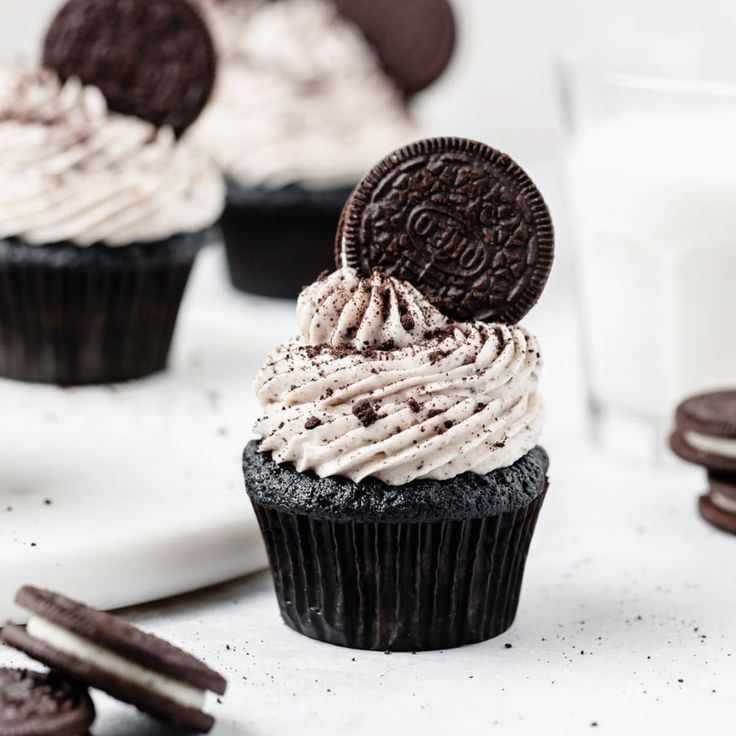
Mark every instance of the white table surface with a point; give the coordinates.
(627, 617)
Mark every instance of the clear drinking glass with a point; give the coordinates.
(651, 180)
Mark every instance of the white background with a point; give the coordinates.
(502, 87)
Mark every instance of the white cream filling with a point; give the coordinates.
(723, 502)
(719, 446)
(76, 646)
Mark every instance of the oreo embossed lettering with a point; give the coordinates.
(450, 244)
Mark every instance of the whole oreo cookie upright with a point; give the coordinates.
(153, 60)
(460, 221)
(36, 704)
(414, 39)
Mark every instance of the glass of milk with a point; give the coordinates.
(651, 180)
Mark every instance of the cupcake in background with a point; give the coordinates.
(398, 478)
(101, 213)
(303, 106)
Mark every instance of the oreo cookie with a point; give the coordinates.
(705, 431)
(414, 39)
(460, 221)
(153, 60)
(107, 653)
(718, 506)
(36, 704)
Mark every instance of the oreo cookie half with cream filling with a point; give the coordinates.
(705, 431)
(105, 652)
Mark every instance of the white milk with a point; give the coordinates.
(653, 203)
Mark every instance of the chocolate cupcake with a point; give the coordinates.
(303, 106)
(101, 214)
(398, 477)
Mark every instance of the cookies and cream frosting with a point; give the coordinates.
(72, 171)
(379, 383)
(300, 98)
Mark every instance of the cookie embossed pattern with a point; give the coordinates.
(459, 218)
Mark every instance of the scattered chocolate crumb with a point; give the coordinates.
(33, 544)
(365, 413)
(312, 423)
(449, 423)
(414, 405)
(507, 645)
(388, 651)
(47, 501)
(407, 322)
(481, 406)
(433, 413)
(594, 724)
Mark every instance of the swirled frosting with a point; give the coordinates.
(72, 171)
(300, 97)
(379, 383)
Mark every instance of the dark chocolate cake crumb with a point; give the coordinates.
(312, 423)
(414, 405)
(432, 413)
(449, 424)
(507, 645)
(465, 496)
(365, 412)
(407, 322)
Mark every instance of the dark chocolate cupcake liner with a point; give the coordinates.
(398, 586)
(278, 241)
(74, 316)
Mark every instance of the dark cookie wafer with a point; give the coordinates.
(459, 220)
(723, 484)
(36, 704)
(720, 518)
(121, 639)
(154, 60)
(711, 414)
(414, 39)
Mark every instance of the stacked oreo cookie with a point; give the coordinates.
(705, 434)
(85, 647)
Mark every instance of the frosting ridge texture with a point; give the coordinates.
(380, 384)
(72, 171)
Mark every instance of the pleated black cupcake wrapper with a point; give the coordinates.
(72, 321)
(398, 587)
